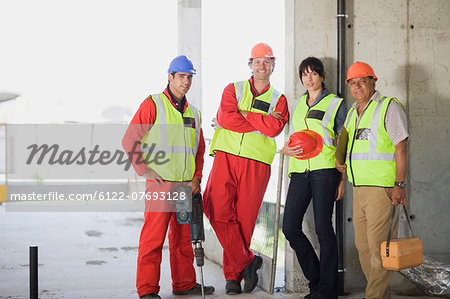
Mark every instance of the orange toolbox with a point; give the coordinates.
(401, 253)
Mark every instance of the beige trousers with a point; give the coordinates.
(372, 214)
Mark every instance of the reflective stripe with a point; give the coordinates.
(373, 139)
(291, 126)
(349, 116)
(273, 100)
(239, 91)
(372, 156)
(162, 119)
(327, 140)
(168, 149)
(258, 132)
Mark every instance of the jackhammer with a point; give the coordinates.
(194, 216)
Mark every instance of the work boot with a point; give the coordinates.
(315, 295)
(250, 275)
(196, 290)
(151, 296)
(233, 287)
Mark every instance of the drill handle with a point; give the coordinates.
(197, 229)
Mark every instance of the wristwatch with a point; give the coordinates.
(400, 184)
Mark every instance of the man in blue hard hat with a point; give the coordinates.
(161, 120)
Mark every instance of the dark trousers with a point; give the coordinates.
(320, 186)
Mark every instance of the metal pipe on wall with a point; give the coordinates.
(341, 16)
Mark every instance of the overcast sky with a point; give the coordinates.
(91, 61)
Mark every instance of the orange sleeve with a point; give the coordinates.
(228, 115)
(199, 158)
(267, 124)
(139, 126)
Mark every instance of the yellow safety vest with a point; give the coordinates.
(175, 136)
(319, 118)
(370, 152)
(252, 145)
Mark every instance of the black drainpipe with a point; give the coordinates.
(341, 16)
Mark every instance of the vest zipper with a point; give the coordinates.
(240, 144)
(185, 153)
(354, 136)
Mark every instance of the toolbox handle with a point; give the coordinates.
(390, 230)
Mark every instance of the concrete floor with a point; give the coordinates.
(89, 255)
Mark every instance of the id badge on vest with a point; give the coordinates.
(363, 134)
(189, 122)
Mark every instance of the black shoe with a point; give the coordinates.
(233, 287)
(197, 290)
(250, 275)
(150, 296)
(314, 296)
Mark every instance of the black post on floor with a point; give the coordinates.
(33, 272)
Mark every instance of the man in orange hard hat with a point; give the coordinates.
(376, 166)
(243, 147)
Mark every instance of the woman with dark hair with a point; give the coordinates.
(314, 177)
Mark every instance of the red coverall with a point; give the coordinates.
(155, 226)
(236, 185)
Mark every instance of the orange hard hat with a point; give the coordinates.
(262, 50)
(309, 141)
(360, 70)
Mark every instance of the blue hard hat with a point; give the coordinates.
(181, 64)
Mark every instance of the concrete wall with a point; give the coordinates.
(407, 44)
(310, 31)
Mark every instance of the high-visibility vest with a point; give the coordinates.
(252, 145)
(319, 118)
(176, 136)
(370, 151)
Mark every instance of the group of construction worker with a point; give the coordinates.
(250, 115)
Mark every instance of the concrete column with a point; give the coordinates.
(310, 32)
(189, 43)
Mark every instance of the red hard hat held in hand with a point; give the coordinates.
(309, 141)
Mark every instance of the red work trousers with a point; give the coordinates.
(232, 199)
(151, 243)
